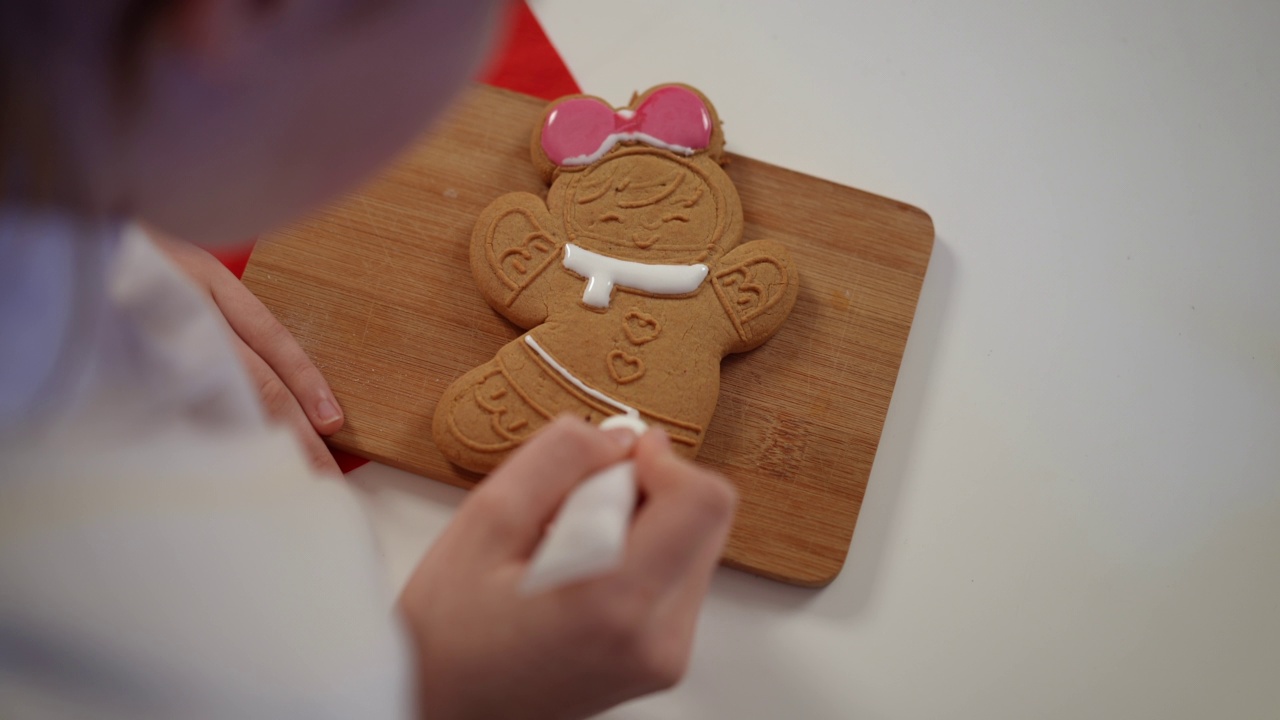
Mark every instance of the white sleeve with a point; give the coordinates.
(195, 575)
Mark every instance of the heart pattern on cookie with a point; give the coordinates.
(641, 327)
(624, 368)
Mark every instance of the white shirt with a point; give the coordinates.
(164, 550)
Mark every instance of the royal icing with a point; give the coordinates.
(580, 131)
(603, 273)
(630, 422)
(564, 373)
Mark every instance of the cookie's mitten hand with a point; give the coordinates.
(512, 245)
(757, 285)
(485, 650)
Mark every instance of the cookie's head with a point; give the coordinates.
(641, 183)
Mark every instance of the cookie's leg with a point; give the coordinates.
(483, 416)
(489, 411)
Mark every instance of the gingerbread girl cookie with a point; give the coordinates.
(630, 278)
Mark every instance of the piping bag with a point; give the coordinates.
(588, 536)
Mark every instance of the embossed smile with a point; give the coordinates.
(644, 242)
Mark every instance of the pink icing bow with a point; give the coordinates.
(582, 130)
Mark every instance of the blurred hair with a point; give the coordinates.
(29, 153)
(32, 159)
(132, 30)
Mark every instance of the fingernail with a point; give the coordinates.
(624, 437)
(327, 411)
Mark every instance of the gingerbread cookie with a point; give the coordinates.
(630, 279)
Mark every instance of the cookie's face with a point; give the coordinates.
(646, 205)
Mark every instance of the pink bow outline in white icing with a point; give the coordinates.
(580, 131)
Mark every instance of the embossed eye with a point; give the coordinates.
(609, 217)
(690, 201)
(675, 218)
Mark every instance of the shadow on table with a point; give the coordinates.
(853, 589)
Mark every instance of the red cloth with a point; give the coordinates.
(526, 62)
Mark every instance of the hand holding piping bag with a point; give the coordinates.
(588, 536)
(576, 649)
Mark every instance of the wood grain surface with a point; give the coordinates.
(378, 290)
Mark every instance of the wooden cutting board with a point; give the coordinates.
(378, 290)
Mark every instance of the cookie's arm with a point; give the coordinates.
(512, 246)
(756, 285)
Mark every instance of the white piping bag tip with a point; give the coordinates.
(630, 422)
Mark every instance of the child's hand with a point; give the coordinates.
(292, 389)
(486, 651)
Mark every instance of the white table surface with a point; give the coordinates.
(1075, 508)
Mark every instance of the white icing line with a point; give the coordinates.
(630, 422)
(615, 138)
(603, 272)
(626, 409)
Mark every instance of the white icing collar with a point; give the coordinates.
(603, 273)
